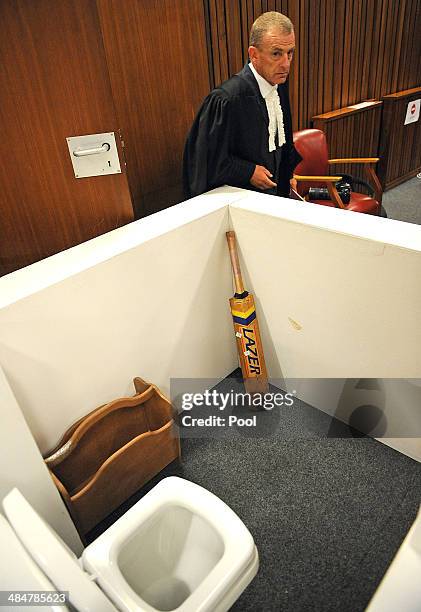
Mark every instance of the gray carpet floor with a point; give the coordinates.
(404, 201)
(327, 507)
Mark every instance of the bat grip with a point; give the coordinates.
(235, 263)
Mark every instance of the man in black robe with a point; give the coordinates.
(242, 134)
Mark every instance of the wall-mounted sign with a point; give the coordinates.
(412, 112)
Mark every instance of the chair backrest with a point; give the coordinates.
(312, 146)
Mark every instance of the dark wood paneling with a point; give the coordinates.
(54, 84)
(157, 58)
(347, 50)
(352, 132)
(400, 148)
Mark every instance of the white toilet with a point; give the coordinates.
(179, 548)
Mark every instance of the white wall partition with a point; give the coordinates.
(339, 297)
(149, 300)
(340, 292)
(22, 467)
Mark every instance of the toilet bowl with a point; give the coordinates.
(179, 548)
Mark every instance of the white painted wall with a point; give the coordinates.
(355, 295)
(338, 297)
(148, 299)
(23, 467)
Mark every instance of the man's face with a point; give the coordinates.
(272, 59)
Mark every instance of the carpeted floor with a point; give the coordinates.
(327, 508)
(404, 201)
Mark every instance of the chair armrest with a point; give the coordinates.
(330, 184)
(317, 179)
(378, 190)
(354, 160)
(369, 170)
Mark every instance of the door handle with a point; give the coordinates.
(81, 152)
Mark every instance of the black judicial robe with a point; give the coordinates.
(229, 137)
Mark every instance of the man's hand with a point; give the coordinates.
(261, 178)
(293, 183)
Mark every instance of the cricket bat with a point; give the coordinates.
(246, 329)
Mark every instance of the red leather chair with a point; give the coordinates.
(314, 171)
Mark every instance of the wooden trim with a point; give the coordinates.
(402, 179)
(334, 195)
(317, 179)
(372, 176)
(354, 160)
(403, 94)
(348, 110)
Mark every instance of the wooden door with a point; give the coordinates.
(157, 57)
(54, 83)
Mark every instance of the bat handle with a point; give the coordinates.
(235, 263)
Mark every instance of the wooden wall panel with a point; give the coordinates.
(54, 84)
(348, 51)
(352, 132)
(158, 64)
(400, 148)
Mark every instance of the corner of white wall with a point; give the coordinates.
(23, 467)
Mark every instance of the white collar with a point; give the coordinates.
(265, 87)
(276, 120)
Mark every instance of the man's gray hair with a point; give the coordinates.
(266, 22)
